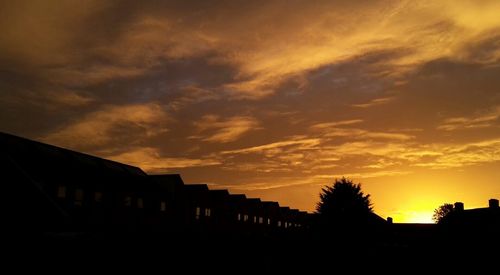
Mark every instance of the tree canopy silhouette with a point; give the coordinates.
(343, 202)
(441, 212)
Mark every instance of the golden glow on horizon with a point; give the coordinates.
(415, 217)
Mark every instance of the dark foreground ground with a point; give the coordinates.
(156, 253)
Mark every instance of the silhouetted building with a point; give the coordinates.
(486, 219)
(272, 213)
(459, 206)
(493, 203)
(53, 189)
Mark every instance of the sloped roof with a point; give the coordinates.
(48, 163)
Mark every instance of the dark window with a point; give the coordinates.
(78, 197)
(61, 191)
(127, 201)
(98, 196)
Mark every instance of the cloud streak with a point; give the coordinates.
(479, 121)
(225, 130)
(152, 161)
(374, 102)
(104, 127)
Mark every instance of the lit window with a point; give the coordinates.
(127, 201)
(286, 224)
(208, 212)
(98, 196)
(78, 197)
(61, 192)
(254, 219)
(239, 217)
(279, 223)
(245, 218)
(268, 221)
(140, 203)
(261, 220)
(197, 213)
(163, 206)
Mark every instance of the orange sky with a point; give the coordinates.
(273, 99)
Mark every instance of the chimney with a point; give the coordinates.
(459, 206)
(389, 219)
(493, 203)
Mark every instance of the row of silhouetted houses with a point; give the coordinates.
(51, 189)
(55, 189)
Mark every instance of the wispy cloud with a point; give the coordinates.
(152, 161)
(374, 102)
(365, 134)
(265, 56)
(474, 153)
(386, 25)
(332, 129)
(106, 126)
(484, 120)
(325, 125)
(276, 147)
(190, 95)
(225, 130)
(363, 175)
(50, 99)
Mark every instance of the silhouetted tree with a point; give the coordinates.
(344, 202)
(441, 212)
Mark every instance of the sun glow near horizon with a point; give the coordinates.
(414, 217)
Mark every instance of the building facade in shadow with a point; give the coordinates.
(51, 189)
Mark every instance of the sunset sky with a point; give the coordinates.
(274, 99)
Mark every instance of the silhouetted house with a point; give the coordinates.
(284, 218)
(485, 220)
(376, 220)
(254, 210)
(304, 219)
(52, 189)
(300, 219)
(293, 218)
(170, 200)
(271, 214)
(197, 204)
(55, 189)
(221, 215)
(237, 210)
